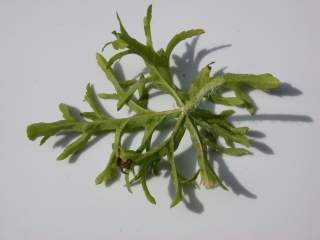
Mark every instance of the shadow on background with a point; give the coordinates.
(272, 117)
(187, 66)
(185, 69)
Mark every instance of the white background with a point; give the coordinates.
(47, 56)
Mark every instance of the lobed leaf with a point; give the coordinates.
(108, 95)
(201, 86)
(66, 112)
(146, 191)
(143, 94)
(147, 28)
(174, 174)
(247, 101)
(191, 180)
(128, 184)
(262, 81)
(187, 116)
(150, 127)
(181, 37)
(102, 62)
(229, 151)
(91, 99)
(90, 115)
(119, 44)
(110, 170)
(75, 146)
(117, 138)
(208, 177)
(47, 129)
(124, 98)
(227, 101)
(142, 50)
(118, 56)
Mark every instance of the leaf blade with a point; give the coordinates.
(110, 171)
(146, 191)
(208, 177)
(147, 28)
(174, 175)
(66, 112)
(201, 86)
(257, 81)
(75, 146)
(91, 99)
(103, 64)
(180, 37)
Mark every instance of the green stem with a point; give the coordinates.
(169, 89)
(134, 122)
(162, 149)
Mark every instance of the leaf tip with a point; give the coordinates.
(201, 31)
(174, 203)
(32, 132)
(98, 180)
(61, 157)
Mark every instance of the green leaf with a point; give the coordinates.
(180, 37)
(221, 128)
(118, 56)
(201, 79)
(143, 94)
(108, 95)
(142, 50)
(142, 169)
(118, 135)
(102, 62)
(248, 103)
(207, 115)
(240, 130)
(229, 135)
(119, 44)
(226, 113)
(44, 139)
(75, 146)
(105, 45)
(162, 149)
(235, 151)
(91, 99)
(191, 180)
(124, 98)
(110, 170)
(262, 81)
(126, 154)
(128, 184)
(206, 127)
(127, 83)
(225, 124)
(42, 129)
(155, 166)
(146, 23)
(208, 177)
(174, 174)
(229, 151)
(150, 127)
(201, 86)
(227, 101)
(66, 112)
(90, 115)
(104, 65)
(146, 191)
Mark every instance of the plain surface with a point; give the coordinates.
(47, 56)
